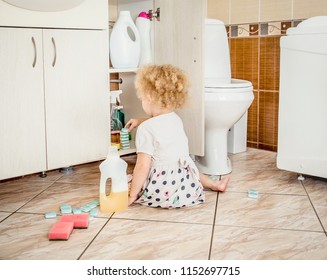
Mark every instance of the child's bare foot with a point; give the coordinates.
(220, 185)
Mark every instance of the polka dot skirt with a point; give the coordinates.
(173, 186)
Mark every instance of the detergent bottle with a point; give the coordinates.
(124, 42)
(113, 168)
(143, 25)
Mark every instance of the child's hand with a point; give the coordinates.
(132, 123)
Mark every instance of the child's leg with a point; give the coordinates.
(214, 185)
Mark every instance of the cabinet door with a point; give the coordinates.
(22, 127)
(179, 41)
(76, 96)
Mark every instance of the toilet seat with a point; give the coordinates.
(236, 90)
(234, 83)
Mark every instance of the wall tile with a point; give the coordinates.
(275, 10)
(268, 120)
(254, 29)
(244, 59)
(304, 9)
(244, 11)
(269, 63)
(284, 26)
(274, 28)
(243, 30)
(218, 9)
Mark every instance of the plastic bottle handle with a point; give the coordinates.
(103, 181)
(135, 31)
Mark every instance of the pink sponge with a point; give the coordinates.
(61, 230)
(80, 220)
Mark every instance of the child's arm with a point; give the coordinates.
(132, 123)
(140, 174)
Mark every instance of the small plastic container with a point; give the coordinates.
(113, 168)
(124, 139)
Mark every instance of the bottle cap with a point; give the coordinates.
(143, 14)
(113, 151)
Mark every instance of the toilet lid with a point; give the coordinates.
(235, 83)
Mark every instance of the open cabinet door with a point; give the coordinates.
(178, 40)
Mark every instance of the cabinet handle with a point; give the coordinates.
(35, 53)
(55, 52)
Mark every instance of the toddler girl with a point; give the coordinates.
(164, 174)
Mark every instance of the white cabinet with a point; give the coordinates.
(54, 103)
(76, 96)
(178, 40)
(22, 122)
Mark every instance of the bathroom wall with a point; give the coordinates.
(254, 28)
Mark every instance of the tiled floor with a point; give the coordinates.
(287, 221)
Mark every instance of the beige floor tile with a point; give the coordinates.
(202, 214)
(76, 195)
(25, 237)
(90, 173)
(268, 211)
(51, 176)
(269, 181)
(253, 159)
(315, 186)
(4, 215)
(239, 243)
(83, 178)
(140, 240)
(317, 190)
(92, 167)
(15, 194)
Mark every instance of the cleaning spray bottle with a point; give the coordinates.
(116, 115)
(113, 168)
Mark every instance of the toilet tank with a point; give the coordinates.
(217, 58)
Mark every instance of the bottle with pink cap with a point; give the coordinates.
(143, 24)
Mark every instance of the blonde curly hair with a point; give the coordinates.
(166, 85)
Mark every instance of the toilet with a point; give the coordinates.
(226, 100)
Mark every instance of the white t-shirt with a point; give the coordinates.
(163, 138)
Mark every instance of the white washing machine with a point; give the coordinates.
(302, 126)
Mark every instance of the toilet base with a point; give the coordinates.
(221, 169)
(215, 160)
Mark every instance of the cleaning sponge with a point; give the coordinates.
(61, 230)
(79, 221)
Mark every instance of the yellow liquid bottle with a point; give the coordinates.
(115, 169)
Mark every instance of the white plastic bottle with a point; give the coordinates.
(115, 169)
(124, 45)
(143, 25)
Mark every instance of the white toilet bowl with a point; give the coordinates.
(226, 100)
(224, 106)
